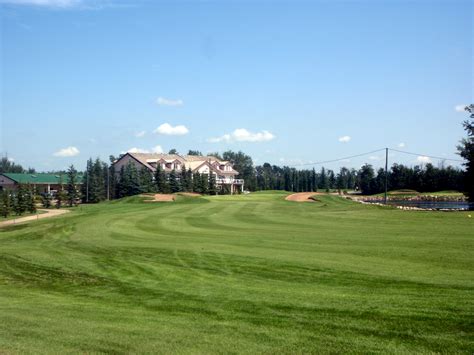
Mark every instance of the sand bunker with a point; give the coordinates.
(301, 197)
(160, 198)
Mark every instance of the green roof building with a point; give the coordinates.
(41, 181)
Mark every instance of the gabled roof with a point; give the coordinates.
(40, 178)
(144, 157)
(192, 162)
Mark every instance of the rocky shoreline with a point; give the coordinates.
(378, 201)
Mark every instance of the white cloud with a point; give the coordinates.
(401, 145)
(169, 102)
(460, 108)
(169, 130)
(140, 134)
(137, 150)
(243, 135)
(157, 149)
(344, 139)
(45, 3)
(11, 160)
(67, 152)
(423, 159)
(374, 157)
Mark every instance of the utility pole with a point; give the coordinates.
(386, 175)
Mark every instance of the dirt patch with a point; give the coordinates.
(302, 197)
(160, 198)
(45, 214)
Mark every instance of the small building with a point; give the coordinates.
(222, 170)
(41, 182)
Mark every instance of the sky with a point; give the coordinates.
(287, 82)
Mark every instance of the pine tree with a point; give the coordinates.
(183, 179)
(331, 179)
(173, 182)
(314, 180)
(60, 197)
(30, 200)
(204, 183)
(160, 180)
(46, 200)
(212, 190)
(132, 181)
(71, 187)
(85, 187)
(197, 182)
(189, 181)
(21, 200)
(323, 180)
(119, 185)
(466, 150)
(146, 180)
(5, 206)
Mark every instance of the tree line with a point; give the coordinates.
(101, 182)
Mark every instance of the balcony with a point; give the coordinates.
(230, 181)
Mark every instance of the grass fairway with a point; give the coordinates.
(238, 274)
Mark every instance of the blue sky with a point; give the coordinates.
(286, 82)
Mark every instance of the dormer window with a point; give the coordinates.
(222, 167)
(168, 165)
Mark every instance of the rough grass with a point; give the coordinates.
(238, 274)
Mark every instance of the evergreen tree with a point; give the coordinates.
(146, 180)
(366, 176)
(120, 190)
(98, 182)
(132, 181)
(5, 205)
(85, 187)
(60, 198)
(71, 187)
(160, 180)
(466, 150)
(30, 199)
(183, 179)
(204, 183)
(20, 200)
(212, 189)
(46, 200)
(173, 182)
(314, 180)
(197, 182)
(189, 181)
(194, 152)
(323, 180)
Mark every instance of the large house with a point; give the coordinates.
(222, 170)
(41, 182)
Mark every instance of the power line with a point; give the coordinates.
(371, 152)
(339, 159)
(424, 155)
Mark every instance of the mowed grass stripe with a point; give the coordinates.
(238, 274)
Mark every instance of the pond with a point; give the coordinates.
(434, 205)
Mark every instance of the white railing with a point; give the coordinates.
(230, 181)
